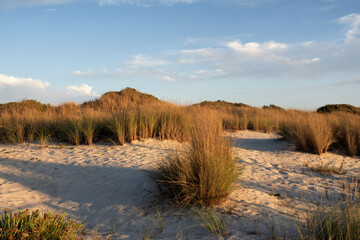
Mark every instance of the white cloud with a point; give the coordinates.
(256, 48)
(237, 60)
(83, 89)
(15, 81)
(17, 88)
(353, 20)
(139, 66)
(141, 60)
(81, 73)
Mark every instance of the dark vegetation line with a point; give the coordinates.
(129, 115)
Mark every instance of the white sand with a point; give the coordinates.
(106, 187)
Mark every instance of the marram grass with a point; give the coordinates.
(205, 172)
(37, 226)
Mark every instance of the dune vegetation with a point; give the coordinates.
(129, 115)
(203, 172)
(37, 225)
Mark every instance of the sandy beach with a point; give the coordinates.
(106, 187)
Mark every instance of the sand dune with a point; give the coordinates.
(106, 187)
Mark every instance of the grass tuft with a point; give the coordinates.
(213, 223)
(73, 131)
(338, 222)
(35, 225)
(89, 127)
(326, 169)
(205, 172)
(43, 137)
(116, 125)
(310, 133)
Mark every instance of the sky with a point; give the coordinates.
(292, 53)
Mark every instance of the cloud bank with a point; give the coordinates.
(353, 20)
(238, 60)
(18, 88)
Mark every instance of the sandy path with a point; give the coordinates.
(107, 189)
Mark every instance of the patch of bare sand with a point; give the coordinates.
(107, 188)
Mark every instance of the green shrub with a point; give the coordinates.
(89, 128)
(38, 226)
(348, 133)
(338, 222)
(73, 131)
(205, 172)
(329, 108)
(116, 124)
(310, 133)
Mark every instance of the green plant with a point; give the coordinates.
(179, 235)
(62, 146)
(89, 128)
(205, 172)
(147, 234)
(116, 125)
(213, 223)
(326, 169)
(72, 130)
(31, 130)
(20, 132)
(348, 128)
(338, 222)
(35, 225)
(159, 220)
(131, 126)
(43, 137)
(310, 133)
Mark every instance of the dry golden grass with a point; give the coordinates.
(339, 222)
(347, 127)
(205, 172)
(129, 115)
(36, 225)
(310, 132)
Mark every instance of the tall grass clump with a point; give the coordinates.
(348, 133)
(173, 123)
(35, 225)
(89, 128)
(73, 131)
(43, 137)
(205, 172)
(30, 130)
(131, 126)
(338, 222)
(147, 119)
(13, 131)
(116, 124)
(310, 133)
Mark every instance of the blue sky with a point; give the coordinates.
(295, 54)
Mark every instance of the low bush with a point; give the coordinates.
(37, 226)
(338, 222)
(310, 133)
(205, 172)
(347, 127)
